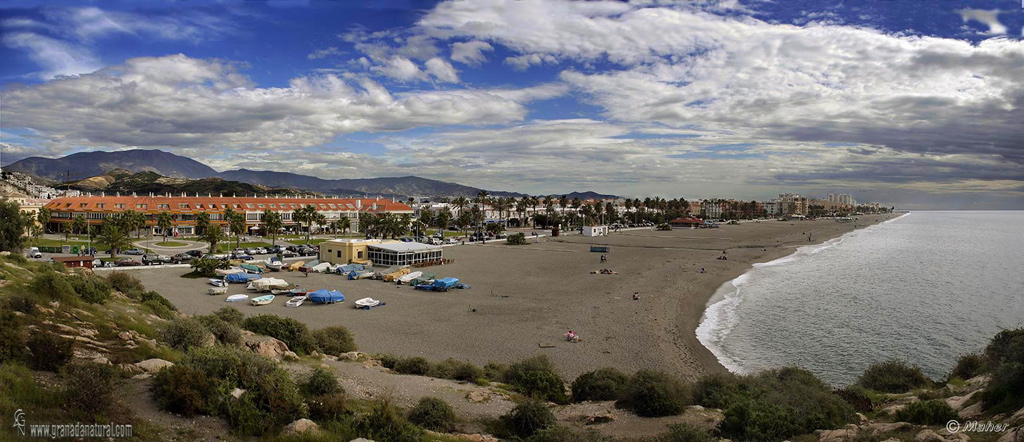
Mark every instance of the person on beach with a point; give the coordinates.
(636, 296)
(702, 270)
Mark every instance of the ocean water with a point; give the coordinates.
(924, 288)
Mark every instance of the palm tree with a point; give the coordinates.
(562, 202)
(43, 216)
(344, 223)
(272, 224)
(318, 219)
(236, 224)
(460, 203)
(533, 202)
(442, 220)
(213, 236)
(202, 222)
(134, 221)
(481, 197)
(78, 225)
(463, 221)
(114, 235)
(165, 222)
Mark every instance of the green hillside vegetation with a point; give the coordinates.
(143, 183)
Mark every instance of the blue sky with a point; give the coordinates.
(914, 103)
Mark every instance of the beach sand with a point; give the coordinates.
(523, 297)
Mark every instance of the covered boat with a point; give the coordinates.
(360, 275)
(241, 277)
(324, 296)
(217, 291)
(225, 272)
(322, 267)
(392, 277)
(444, 284)
(425, 278)
(273, 263)
(295, 302)
(308, 267)
(268, 284)
(367, 303)
(251, 268)
(218, 282)
(295, 266)
(349, 268)
(404, 279)
(237, 298)
(263, 300)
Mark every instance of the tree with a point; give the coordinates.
(133, 221)
(12, 226)
(237, 225)
(460, 203)
(78, 225)
(114, 235)
(318, 219)
(344, 223)
(43, 217)
(213, 235)
(304, 215)
(463, 221)
(202, 223)
(65, 229)
(273, 222)
(165, 222)
(442, 220)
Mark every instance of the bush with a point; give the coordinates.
(495, 371)
(720, 390)
(758, 420)
(53, 285)
(89, 388)
(92, 289)
(933, 412)
(22, 304)
(10, 336)
(290, 331)
(50, 352)
(230, 315)
(269, 405)
(208, 267)
(125, 283)
(684, 432)
(388, 361)
(385, 422)
(654, 394)
(892, 377)
(606, 384)
(968, 366)
(559, 433)
(537, 378)
(329, 408)
(516, 239)
(321, 383)
(183, 389)
(527, 418)
(457, 370)
(415, 365)
(152, 296)
(184, 334)
(17, 258)
(1004, 356)
(857, 397)
(335, 340)
(433, 414)
(226, 333)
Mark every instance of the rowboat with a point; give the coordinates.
(295, 266)
(295, 302)
(237, 298)
(360, 275)
(263, 300)
(273, 264)
(251, 268)
(268, 284)
(404, 279)
(367, 303)
(218, 282)
(217, 290)
(225, 272)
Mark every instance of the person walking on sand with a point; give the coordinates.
(636, 296)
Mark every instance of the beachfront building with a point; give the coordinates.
(590, 231)
(349, 251)
(686, 222)
(791, 204)
(184, 209)
(403, 253)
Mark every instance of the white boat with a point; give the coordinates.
(226, 272)
(367, 303)
(295, 302)
(268, 284)
(218, 282)
(322, 267)
(263, 300)
(217, 291)
(237, 298)
(404, 279)
(273, 264)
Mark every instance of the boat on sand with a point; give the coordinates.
(263, 300)
(295, 302)
(237, 298)
(367, 303)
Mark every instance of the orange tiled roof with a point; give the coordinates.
(216, 204)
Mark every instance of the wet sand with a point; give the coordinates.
(525, 296)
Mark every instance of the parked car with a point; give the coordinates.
(181, 258)
(287, 253)
(242, 256)
(34, 253)
(153, 258)
(451, 241)
(221, 256)
(195, 253)
(133, 252)
(127, 262)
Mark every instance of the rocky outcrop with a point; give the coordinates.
(300, 426)
(264, 345)
(842, 435)
(153, 365)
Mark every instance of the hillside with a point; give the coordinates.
(88, 164)
(124, 182)
(402, 186)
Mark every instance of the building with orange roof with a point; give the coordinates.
(183, 209)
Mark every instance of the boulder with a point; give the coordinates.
(361, 440)
(237, 393)
(153, 365)
(970, 412)
(350, 356)
(1013, 435)
(1017, 418)
(300, 426)
(600, 417)
(265, 346)
(952, 437)
(885, 427)
(958, 402)
(928, 436)
(861, 418)
(290, 356)
(478, 396)
(836, 435)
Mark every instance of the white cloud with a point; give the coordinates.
(55, 57)
(989, 18)
(441, 70)
(323, 53)
(470, 52)
(402, 69)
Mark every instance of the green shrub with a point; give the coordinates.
(433, 414)
(653, 394)
(933, 412)
(335, 340)
(892, 377)
(495, 371)
(720, 390)
(184, 334)
(857, 397)
(89, 388)
(527, 418)
(183, 389)
(159, 310)
(329, 408)
(457, 370)
(537, 378)
(1005, 346)
(1004, 356)
(968, 366)
(208, 267)
(52, 285)
(226, 333)
(388, 361)
(684, 432)
(230, 315)
(11, 347)
(18, 258)
(292, 332)
(49, 352)
(125, 283)
(606, 384)
(270, 404)
(758, 420)
(22, 304)
(321, 383)
(415, 365)
(385, 422)
(516, 239)
(93, 290)
(152, 296)
(558, 433)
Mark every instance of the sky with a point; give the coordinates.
(917, 104)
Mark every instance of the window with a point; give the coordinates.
(333, 206)
(140, 206)
(119, 205)
(273, 206)
(183, 205)
(339, 253)
(199, 205)
(100, 205)
(294, 206)
(82, 205)
(260, 206)
(360, 254)
(249, 205)
(163, 206)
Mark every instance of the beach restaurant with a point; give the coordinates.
(403, 253)
(686, 222)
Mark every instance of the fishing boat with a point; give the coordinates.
(217, 291)
(322, 267)
(324, 296)
(295, 302)
(367, 303)
(251, 268)
(226, 272)
(217, 282)
(360, 275)
(345, 269)
(295, 266)
(392, 277)
(263, 300)
(237, 298)
(241, 277)
(268, 284)
(404, 279)
(273, 264)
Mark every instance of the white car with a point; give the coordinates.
(451, 241)
(34, 253)
(259, 251)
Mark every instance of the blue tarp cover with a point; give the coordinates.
(241, 277)
(445, 282)
(324, 296)
(350, 268)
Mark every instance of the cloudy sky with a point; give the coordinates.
(914, 103)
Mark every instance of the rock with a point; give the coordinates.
(970, 412)
(952, 437)
(1017, 417)
(315, 354)
(142, 376)
(957, 402)
(300, 426)
(360, 440)
(329, 357)
(101, 360)
(265, 345)
(124, 336)
(237, 393)
(600, 417)
(153, 365)
(696, 408)
(836, 435)
(350, 356)
(928, 436)
(862, 418)
(885, 427)
(891, 410)
(55, 304)
(478, 396)
(891, 439)
(1013, 435)
(289, 356)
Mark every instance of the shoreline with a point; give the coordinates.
(719, 294)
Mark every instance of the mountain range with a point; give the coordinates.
(82, 165)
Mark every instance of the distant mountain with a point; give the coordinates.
(590, 195)
(144, 183)
(88, 164)
(404, 186)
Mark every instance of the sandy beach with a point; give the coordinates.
(526, 296)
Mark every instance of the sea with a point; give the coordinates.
(923, 288)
